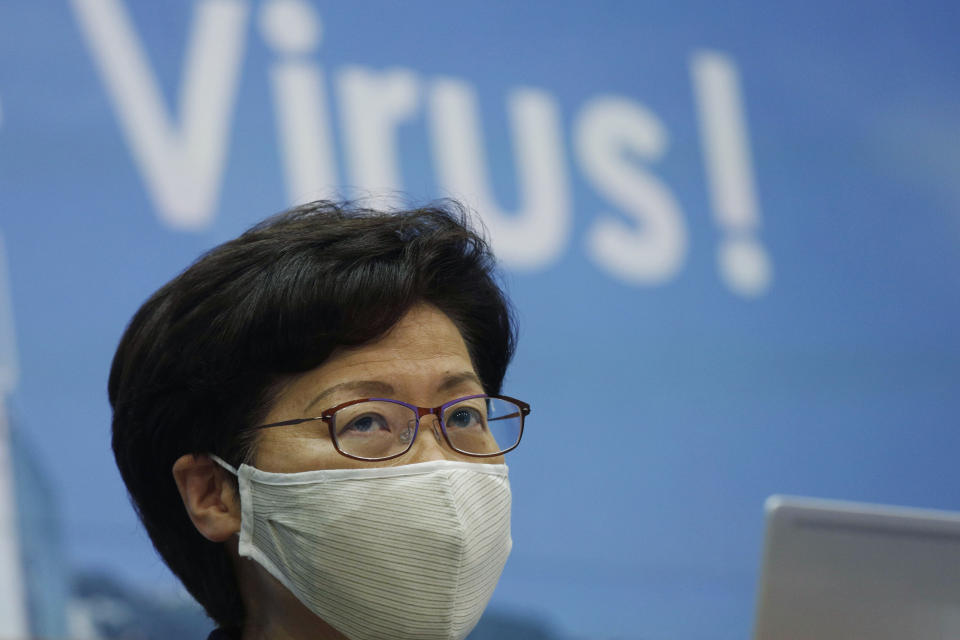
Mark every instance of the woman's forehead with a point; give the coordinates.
(421, 335)
(424, 352)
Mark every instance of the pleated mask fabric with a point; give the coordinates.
(408, 552)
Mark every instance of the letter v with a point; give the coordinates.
(181, 162)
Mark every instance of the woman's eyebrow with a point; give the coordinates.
(384, 389)
(458, 380)
(360, 387)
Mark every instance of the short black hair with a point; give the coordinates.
(205, 355)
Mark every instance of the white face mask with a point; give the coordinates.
(413, 551)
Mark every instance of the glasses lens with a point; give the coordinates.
(374, 429)
(483, 425)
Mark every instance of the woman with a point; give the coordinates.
(309, 423)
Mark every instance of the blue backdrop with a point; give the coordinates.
(731, 231)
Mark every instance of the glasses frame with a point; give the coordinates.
(327, 417)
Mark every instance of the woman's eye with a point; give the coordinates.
(364, 424)
(463, 418)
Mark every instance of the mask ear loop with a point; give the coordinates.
(244, 501)
(223, 463)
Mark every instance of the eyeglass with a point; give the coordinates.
(373, 429)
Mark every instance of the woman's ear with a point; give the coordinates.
(208, 493)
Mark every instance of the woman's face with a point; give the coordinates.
(422, 360)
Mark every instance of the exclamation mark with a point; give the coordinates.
(742, 260)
